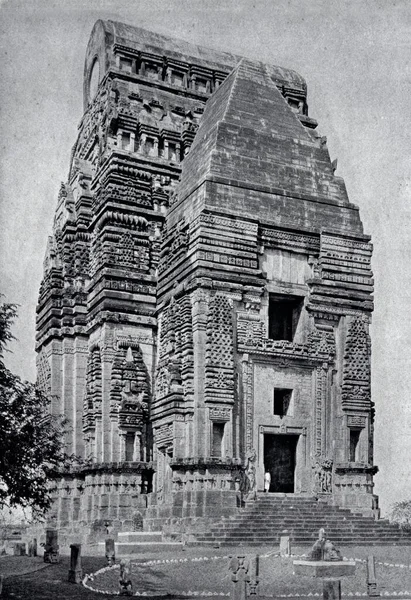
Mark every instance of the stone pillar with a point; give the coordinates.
(132, 142)
(107, 356)
(67, 392)
(75, 572)
(371, 578)
(239, 567)
(56, 384)
(122, 446)
(285, 545)
(51, 548)
(200, 424)
(119, 138)
(255, 575)
(110, 552)
(33, 547)
(142, 143)
(79, 383)
(137, 446)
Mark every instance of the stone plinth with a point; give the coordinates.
(324, 568)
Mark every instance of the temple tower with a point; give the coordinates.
(206, 298)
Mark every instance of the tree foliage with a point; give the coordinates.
(30, 439)
(401, 514)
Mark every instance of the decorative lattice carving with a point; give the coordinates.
(44, 374)
(219, 363)
(356, 387)
(175, 367)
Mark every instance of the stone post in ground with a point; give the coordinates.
(51, 548)
(110, 552)
(126, 587)
(371, 578)
(20, 549)
(285, 544)
(240, 577)
(32, 547)
(255, 575)
(75, 572)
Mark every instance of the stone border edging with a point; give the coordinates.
(149, 563)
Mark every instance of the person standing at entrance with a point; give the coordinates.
(267, 481)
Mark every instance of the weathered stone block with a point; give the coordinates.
(332, 589)
(324, 569)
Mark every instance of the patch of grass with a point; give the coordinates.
(276, 575)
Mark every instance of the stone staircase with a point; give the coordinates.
(263, 521)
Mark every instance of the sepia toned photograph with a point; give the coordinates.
(205, 286)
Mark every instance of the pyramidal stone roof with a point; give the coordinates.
(250, 137)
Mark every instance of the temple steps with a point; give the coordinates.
(263, 522)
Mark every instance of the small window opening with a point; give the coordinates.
(296, 105)
(217, 439)
(125, 140)
(177, 78)
(126, 64)
(282, 402)
(149, 146)
(283, 316)
(355, 445)
(172, 152)
(130, 446)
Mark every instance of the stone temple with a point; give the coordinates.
(207, 293)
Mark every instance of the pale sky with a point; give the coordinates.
(356, 58)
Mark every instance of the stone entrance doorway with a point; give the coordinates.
(280, 461)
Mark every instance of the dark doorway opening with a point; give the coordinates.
(279, 460)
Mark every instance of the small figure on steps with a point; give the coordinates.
(267, 481)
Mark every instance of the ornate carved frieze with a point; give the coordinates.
(174, 246)
(220, 413)
(251, 330)
(282, 349)
(356, 421)
(322, 479)
(92, 397)
(175, 365)
(320, 404)
(291, 241)
(130, 389)
(163, 436)
(247, 373)
(225, 223)
(343, 275)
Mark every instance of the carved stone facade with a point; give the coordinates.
(207, 293)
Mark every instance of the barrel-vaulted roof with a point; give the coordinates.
(106, 34)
